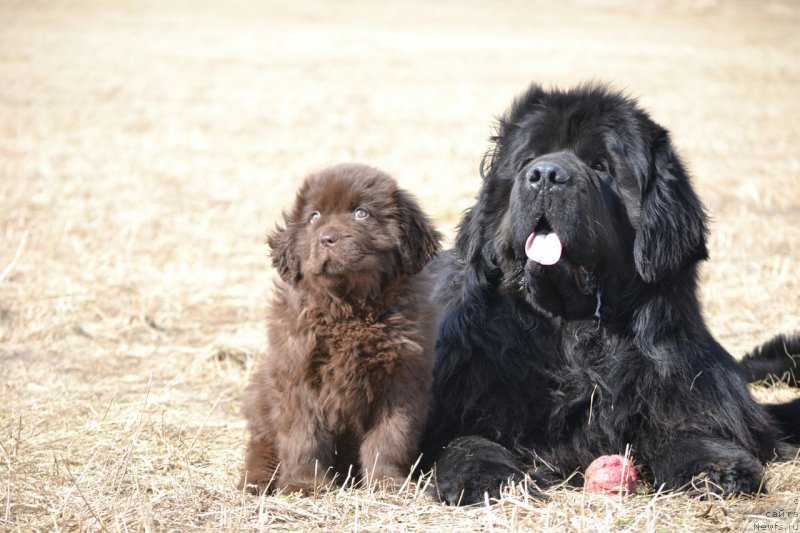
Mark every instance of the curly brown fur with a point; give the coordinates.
(344, 387)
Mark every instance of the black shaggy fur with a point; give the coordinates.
(604, 349)
(778, 358)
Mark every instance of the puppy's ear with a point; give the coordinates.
(420, 240)
(283, 253)
(673, 223)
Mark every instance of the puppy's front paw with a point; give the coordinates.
(305, 489)
(256, 488)
(306, 486)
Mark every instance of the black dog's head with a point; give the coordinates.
(350, 231)
(582, 191)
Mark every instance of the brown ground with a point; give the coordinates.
(145, 150)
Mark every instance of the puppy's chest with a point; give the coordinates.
(351, 362)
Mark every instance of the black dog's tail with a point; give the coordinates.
(779, 357)
(787, 417)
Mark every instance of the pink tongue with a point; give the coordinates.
(543, 248)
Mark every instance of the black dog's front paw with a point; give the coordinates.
(706, 466)
(470, 468)
(728, 481)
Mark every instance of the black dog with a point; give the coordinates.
(571, 324)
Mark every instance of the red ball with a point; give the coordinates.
(611, 474)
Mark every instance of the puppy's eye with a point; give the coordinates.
(360, 213)
(314, 217)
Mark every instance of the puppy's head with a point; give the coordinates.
(352, 227)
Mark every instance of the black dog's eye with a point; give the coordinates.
(603, 169)
(314, 217)
(360, 213)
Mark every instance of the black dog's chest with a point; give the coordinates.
(578, 391)
(582, 378)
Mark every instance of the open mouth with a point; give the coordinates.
(543, 246)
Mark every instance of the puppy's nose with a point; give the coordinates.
(328, 239)
(547, 174)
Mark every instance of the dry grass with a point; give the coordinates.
(145, 149)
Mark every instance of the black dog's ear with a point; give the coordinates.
(477, 226)
(282, 252)
(673, 223)
(420, 240)
(472, 239)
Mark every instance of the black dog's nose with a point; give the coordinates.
(547, 173)
(328, 239)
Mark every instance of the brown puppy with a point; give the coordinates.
(346, 379)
